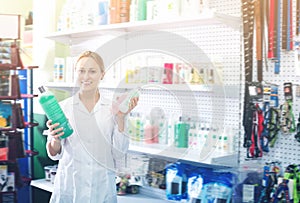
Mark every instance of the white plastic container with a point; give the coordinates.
(47, 172)
(53, 174)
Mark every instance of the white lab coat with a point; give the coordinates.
(85, 171)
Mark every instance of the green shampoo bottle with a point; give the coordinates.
(53, 111)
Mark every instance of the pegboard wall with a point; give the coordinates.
(218, 42)
(286, 148)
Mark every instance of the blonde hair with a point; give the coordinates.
(97, 58)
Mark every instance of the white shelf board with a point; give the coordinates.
(178, 87)
(192, 155)
(157, 86)
(225, 90)
(209, 18)
(143, 196)
(42, 184)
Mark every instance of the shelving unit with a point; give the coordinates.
(191, 28)
(19, 133)
(230, 111)
(74, 37)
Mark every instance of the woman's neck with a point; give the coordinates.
(89, 98)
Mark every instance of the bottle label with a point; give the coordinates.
(53, 110)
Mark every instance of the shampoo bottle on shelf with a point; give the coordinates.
(203, 137)
(181, 134)
(171, 129)
(162, 130)
(53, 111)
(148, 132)
(228, 140)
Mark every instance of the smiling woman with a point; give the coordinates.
(87, 156)
(89, 71)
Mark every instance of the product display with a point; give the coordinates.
(221, 78)
(15, 121)
(100, 12)
(179, 133)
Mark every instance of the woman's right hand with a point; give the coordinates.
(53, 130)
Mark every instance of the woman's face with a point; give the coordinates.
(88, 74)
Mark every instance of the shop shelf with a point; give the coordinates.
(8, 66)
(24, 96)
(26, 125)
(151, 86)
(42, 184)
(31, 152)
(210, 158)
(7, 129)
(9, 97)
(208, 18)
(31, 125)
(146, 195)
(158, 86)
(225, 90)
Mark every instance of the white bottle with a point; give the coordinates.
(190, 8)
(228, 140)
(124, 105)
(137, 128)
(201, 137)
(162, 131)
(214, 139)
(131, 127)
(196, 136)
(182, 76)
(192, 134)
(219, 145)
(133, 11)
(207, 139)
(142, 126)
(171, 128)
(150, 8)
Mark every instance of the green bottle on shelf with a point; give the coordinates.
(53, 111)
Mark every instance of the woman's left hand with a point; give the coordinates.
(132, 104)
(120, 115)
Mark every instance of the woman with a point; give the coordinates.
(86, 158)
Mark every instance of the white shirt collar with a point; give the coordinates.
(102, 101)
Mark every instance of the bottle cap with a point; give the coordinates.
(41, 89)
